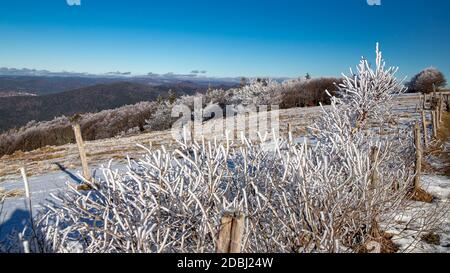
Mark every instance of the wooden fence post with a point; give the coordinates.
(425, 100)
(374, 180)
(223, 243)
(237, 231)
(438, 113)
(26, 185)
(433, 120)
(425, 129)
(418, 165)
(421, 101)
(289, 133)
(446, 102)
(437, 106)
(230, 233)
(192, 128)
(82, 151)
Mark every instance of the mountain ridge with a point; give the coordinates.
(16, 111)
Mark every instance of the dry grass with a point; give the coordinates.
(444, 135)
(405, 115)
(436, 149)
(8, 194)
(432, 238)
(116, 152)
(51, 149)
(44, 153)
(43, 157)
(428, 168)
(420, 195)
(385, 241)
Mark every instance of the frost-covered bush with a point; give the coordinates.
(302, 92)
(308, 92)
(156, 115)
(219, 96)
(258, 92)
(162, 118)
(109, 123)
(104, 124)
(35, 135)
(329, 194)
(255, 92)
(427, 80)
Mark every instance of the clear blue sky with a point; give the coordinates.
(225, 38)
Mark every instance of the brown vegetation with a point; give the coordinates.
(432, 238)
(427, 81)
(420, 195)
(105, 124)
(309, 93)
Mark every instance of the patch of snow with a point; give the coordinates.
(438, 186)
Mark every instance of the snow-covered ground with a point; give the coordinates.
(409, 233)
(48, 178)
(409, 230)
(15, 213)
(42, 161)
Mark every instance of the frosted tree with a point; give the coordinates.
(347, 135)
(427, 80)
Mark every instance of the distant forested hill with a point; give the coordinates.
(17, 111)
(44, 85)
(47, 85)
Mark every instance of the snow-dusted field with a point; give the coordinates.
(51, 168)
(408, 229)
(43, 161)
(14, 214)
